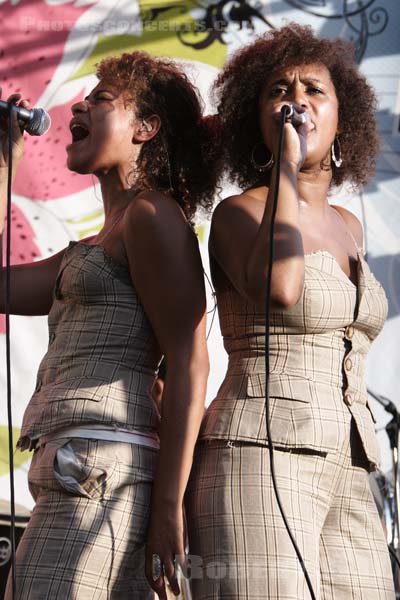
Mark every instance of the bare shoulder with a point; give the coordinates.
(352, 223)
(155, 226)
(154, 209)
(154, 219)
(234, 226)
(236, 206)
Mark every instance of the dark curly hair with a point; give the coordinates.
(177, 160)
(239, 86)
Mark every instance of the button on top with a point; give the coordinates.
(348, 364)
(348, 399)
(349, 332)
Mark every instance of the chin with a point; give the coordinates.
(79, 167)
(314, 167)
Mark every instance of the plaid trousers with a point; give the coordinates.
(239, 547)
(86, 537)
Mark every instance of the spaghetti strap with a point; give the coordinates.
(359, 249)
(105, 236)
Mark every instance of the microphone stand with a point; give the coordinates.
(392, 429)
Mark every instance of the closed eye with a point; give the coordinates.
(103, 97)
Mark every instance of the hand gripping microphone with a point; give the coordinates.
(294, 116)
(35, 121)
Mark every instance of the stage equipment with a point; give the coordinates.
(35, 121)
(295, 117)
(391, 491)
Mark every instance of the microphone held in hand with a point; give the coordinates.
(35, 121)
(292, 115)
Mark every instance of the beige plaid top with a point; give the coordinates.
(317, 361)
(102, 354)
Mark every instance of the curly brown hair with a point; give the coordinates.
(176, 160)
(239, 86)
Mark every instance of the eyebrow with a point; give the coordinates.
(96, 91)
(91, 93)
(285, 81)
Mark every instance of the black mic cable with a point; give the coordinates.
(8, 352)
(285, 113)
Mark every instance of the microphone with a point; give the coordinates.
(294, 116)
(387, 404)
(35, 121)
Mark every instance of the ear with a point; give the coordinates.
(146, 129)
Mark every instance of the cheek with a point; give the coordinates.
(111, 147)
(266, 125)
(123, 133)
(331, 117)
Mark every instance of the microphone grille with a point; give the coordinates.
(39, 123)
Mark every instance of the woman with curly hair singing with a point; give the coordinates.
(117, 302)
(326, 308)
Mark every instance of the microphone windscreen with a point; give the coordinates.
(39, 123)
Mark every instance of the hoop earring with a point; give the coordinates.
(336, 158)
(261, 166)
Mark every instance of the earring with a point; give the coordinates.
(336, 157)
(258, 161)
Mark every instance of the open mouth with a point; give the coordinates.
(79, 132)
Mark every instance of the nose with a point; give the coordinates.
(299, 97)
(79, 107)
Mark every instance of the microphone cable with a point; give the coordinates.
(284, 113)
(8, 352)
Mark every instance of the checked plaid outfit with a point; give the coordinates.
(323, 433)
(86, 537)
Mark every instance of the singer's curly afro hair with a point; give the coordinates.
(238, 89)
(178, 159)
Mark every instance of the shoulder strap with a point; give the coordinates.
(105, 236)
(358, 248)
(135, 192)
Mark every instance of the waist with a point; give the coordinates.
(101, 377)
(103, 432)
(321, 365)
(320, 370)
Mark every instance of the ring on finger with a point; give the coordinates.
(156, 567)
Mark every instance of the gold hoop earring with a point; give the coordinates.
(336, 155)
(259, 148)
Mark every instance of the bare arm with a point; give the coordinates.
(31, 284)
(166, 269)
(240, 231)
(239, 242)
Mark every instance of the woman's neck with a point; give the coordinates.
(116, 193)
(313, 189)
